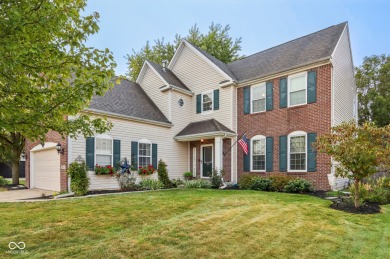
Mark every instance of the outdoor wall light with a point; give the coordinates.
(60, 149)
(23, 156)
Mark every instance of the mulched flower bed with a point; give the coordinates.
(11, 187)
(365, 208)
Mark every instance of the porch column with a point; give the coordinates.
(218, 153)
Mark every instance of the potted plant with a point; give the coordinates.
(104, 170)
(146, 170)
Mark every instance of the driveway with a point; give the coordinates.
(20, 195)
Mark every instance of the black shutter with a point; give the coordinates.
(247, 158)
(269, 154)
(154, 155)
(311, 152)
(247, 99)
(312, 87)
(216, 99)
(283, 153)
(283, 93)
(134, 155)
(90, 153)
(198, 103)
(117, 153)
(270, 96)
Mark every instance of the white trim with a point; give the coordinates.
(296, 134)
(332, 97)
(207, 135)
(201, 158)
(338, 41)
(47, 146)
(145, 141)
(258, 137)
(105, 137)
(265, 97)
(200, 54)
(288, 88)
(194, 162)
(212, 102)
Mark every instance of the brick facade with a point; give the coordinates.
(55, 137)
(315, 117)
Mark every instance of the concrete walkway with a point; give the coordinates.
(19, 195)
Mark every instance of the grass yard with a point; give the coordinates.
(193, 224)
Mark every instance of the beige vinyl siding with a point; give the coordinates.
(151, 84)
(172, 152)
(200, 76)
(344, 88)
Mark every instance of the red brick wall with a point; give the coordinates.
(55, 137)
(227, 159)
(314, 117)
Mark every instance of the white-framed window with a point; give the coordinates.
(297, 151)
(297, 89)
(258, 149)
(144, 152)
(207, 101)
(103, 150)
(258, 99)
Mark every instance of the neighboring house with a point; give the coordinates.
(191, 111)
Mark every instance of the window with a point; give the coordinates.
(207, 101)
(297, 86)
(297, 151)
(258, 98)
(103, 150)
(144, 153)
(258, 153)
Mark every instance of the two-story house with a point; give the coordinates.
(191, 111)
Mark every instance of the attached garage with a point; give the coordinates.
(45, 168)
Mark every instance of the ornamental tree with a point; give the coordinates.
(47, 72)
(359, 150)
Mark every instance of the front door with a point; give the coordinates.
(207, 161)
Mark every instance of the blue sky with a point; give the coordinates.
(128, 24)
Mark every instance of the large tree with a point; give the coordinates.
(373, 83)
(359, 150)
(47, 72)
(217, 42)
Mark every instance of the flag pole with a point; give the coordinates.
(224, 153)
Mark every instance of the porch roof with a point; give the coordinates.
(204, 129)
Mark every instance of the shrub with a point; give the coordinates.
(216, 179)
(3, 182)
(188, 176)
(246, 181)
(261, 184)
(163, 174)
(177, 182)
(279, 181)
(126, 181)
(377, 191)
(298, 185)
(151, 184)
(79, 178)
(198, 183)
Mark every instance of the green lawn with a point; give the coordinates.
(194, 224)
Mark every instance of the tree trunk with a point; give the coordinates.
(15, 172)
(357, 194)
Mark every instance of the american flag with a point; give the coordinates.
(243, 144)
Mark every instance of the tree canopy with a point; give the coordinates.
(217, 42)
(373, 84)
(47, 72)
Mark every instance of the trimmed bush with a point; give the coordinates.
(261, 184)
(246, 181)
(79, 180)
(216, 179)
(163, 174)
(198, 183)
(279, 181)
(298, 185)
(151, 184)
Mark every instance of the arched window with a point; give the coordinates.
(297, 151)
(258, 151)
(144, 152)
(103, 150)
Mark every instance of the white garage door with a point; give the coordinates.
(47, 170)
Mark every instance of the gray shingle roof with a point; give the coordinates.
(128, 99)
(305, 50)
(205, 126)
(169, 76)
